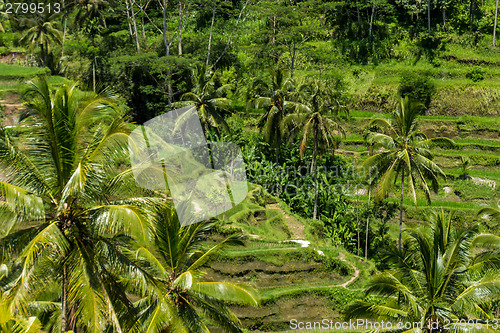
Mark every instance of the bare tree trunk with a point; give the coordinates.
(495, 24)
(233, 33)
(357, 12)
(144, 34)
(180, 28)
(64, 300)
(135, 29)
(372, 17)
(315, 172)
(64, 35)
(210, 37)
(273, 40)
(93, 75)
(128, 19)
(167, 51)
(401, 208)
(367, 221)
(429, 15)
(471, 15)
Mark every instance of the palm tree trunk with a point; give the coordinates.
(471, 15)
(93, 75)
(64, 35)
(210, 37)
(429, 15)
(357, 220)
(180, 28)
(495, 24)
(64, 300)
(401, 208)
(315, 152)
(367, 222)
(357, 12)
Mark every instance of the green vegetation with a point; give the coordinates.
(314, 92)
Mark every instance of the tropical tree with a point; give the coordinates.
(495, 23)
(60, 208)
(42, 32)
(206, 100)
(277, 104)
(465, 165)
(491, 212)
(172, 284)
(324, 134)
(443, 278)
(3, 15)
(405, 153)
(9, 323)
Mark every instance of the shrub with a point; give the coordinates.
(417, 87)
(476, 74)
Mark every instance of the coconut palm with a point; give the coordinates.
(405, 153)
(206, 99)
(3, 15)
(276, 105)
(41, 32)
(491, 212)
(324, 134)
(9, 323)
(443, 274)
(60, 209)
(465, 165)
(173, 286)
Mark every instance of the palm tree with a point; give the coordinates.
(465, 165)
(41, 33)
(206, 100)
(323, 132)
(3, 15)
(8, 323)
(172, 285)
(61, 210)
(491, 212)
(277, 104)
(445, 274)
(405, 153)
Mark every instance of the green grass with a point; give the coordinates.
(15, 71)
(436, 204)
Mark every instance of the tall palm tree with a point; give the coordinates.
(277, 104)
(172, 284)
(41, 32)
(442, 275)
(323, 132)
(405, 153)
(61, 208)
(206, 99)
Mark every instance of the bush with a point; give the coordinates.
(417, 87)
(476, 74)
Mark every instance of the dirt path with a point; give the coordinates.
(355, 275)
(296, 228)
